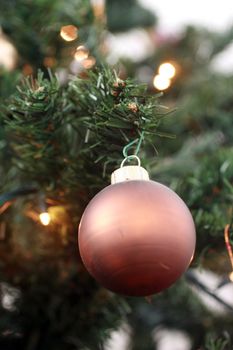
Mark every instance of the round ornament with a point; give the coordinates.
(136, 236)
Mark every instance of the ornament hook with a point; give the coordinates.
(133, 156)
(130, 144)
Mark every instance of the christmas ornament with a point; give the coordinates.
(81, 53)
(136, 237)
(69, 32)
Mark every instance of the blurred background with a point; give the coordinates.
(183, 51)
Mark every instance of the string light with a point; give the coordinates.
(27, 69)
(231, 276)
(69, 32)
(98, 8)
(8, 53)
(161, 82)
(81, 53)
(88, 62)
(167, 70)
(229, 248)
(49, 62)
(45, 218)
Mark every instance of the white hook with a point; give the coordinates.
(130, 157)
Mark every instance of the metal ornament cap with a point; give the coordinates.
(130, 172)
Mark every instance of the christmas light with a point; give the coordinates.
(27, 69)
(81, 53)
(231, 276)
(167, 70)
(45, 218)
(119, 233)
(229, 248)
(88, 62)
(49, 61)
(228, 243)
(69, 32)
(161, 82)
(8, 53)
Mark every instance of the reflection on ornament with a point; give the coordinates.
(81, 53)
(69, 32)
(8, 53)
(167, 70)
(88, 62)
(136, 237)
(161, 83)
(231, 276)
(45, 218)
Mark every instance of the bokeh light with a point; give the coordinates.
(81, 53)
(161, 83)
(231, 276)
(167, 70)
(69, 32)
(88, 62)
(45, 218)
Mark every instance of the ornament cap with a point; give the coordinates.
(130, 172)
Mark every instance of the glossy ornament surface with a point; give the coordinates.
(136, 237)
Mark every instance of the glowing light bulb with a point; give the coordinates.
(88, 62)
(161, 83)
(167, 70)
(69, 33)
(98, 8)
(231, 276)
(8, 53)
(45, 218)
(81, 53)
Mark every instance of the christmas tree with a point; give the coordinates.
(67, 114)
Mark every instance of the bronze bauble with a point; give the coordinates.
(136, 237)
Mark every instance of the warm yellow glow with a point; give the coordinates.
(167, 70)
(8, 54)
(231, 276)
(45, 218)
(161, 83)
(27, 69)
(69, 33)
(98, 8)
(88, 62)
(81, 53)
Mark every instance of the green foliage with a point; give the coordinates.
(62, 138)
(131, 14)
(47, 127)
(34, 26)
(113, 113)
(94, 117)
(216, 344)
